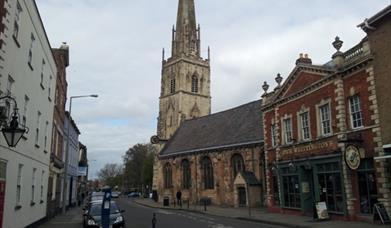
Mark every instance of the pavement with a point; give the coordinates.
(71, 219)
(261, 216)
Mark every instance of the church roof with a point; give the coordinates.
(239, 126)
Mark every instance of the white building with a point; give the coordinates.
(27, 73)
(73, 159)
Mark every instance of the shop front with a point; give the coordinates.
(305, 182)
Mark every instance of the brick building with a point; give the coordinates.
(322, 131)
(61, 55)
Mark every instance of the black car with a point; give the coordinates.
(93, 216)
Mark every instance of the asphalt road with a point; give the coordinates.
(137, 216)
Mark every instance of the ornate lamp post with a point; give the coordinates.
(12, 131)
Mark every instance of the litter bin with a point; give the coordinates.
(166, 201)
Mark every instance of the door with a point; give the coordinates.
(242, 196)
(3, 168)
(307, 191)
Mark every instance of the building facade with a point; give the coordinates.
(61, 56)
(322, 133)
(27, 73)
(216, 158)
(82, 176)
(73, 159)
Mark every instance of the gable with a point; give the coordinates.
(300, 81)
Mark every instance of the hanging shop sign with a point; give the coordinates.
(352, 157)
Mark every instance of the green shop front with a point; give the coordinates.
(304, 181)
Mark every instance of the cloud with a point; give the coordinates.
(115, 51)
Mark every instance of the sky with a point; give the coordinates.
(116, 52)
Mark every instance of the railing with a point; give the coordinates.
(354, 53)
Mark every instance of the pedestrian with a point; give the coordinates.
(179, 197)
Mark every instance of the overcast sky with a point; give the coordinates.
(116, 45)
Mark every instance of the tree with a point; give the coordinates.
(138, 163)
(111, 175)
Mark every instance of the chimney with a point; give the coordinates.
(303, 59)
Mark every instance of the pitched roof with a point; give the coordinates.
(234, 127)
(250, 178)
(381, 14)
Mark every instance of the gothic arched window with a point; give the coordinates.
(167, 172)
(172, 85)
(186, 174)
(194, 84)
(237, 164)
(207, 173)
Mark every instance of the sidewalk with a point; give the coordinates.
(72, 219)
(260, 215)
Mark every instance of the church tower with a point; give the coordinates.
(185, 82)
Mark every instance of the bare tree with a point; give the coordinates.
(111, 175)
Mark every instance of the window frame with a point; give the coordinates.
(238, 164)
(302, 128)
(354, 112)
(186, 174)
(194, 84)
(287, 140)
(321, 121)
(273, 135)
(172, 85)
(167, 175)
(207, 173)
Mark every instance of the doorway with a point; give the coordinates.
(242, 197)
(3, 168)
(307, 189)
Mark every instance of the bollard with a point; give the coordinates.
(188, 202)
(154, 221)
(174, 203)
(204, 205)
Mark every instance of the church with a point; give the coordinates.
(215, 158)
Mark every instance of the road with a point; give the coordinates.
(137, 216)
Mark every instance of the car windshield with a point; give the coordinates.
(96, 209)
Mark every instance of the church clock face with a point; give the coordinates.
(352, 157)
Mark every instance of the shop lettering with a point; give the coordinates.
(307, 148)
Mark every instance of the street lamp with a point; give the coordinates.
(67, 151)
(12, 132)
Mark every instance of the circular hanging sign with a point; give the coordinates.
(155, 139)
(352, 157)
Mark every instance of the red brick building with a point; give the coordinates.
(321, 132)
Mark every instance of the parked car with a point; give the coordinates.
(92, 217)
(115, 194)
(134, 195)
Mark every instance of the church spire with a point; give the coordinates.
(187, 35)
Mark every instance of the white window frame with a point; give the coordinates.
(42, 182)
(273, 134)
(37, 129)
(300, 114)
(287, 135)
(33, 186)
(320, 122)
(19, 185)
(16, 30)
(353, 112)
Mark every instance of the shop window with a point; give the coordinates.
(167, 175)
(186, 174)
(355, 112)
(367, 186)
(291, 189)
(237, 164)
(330, 186)
(207, 173)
